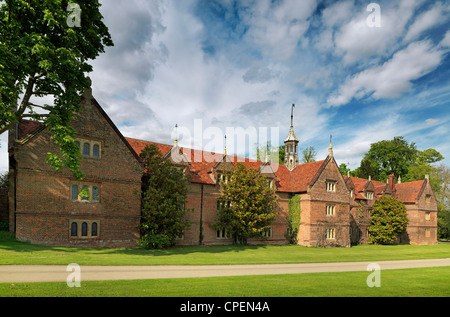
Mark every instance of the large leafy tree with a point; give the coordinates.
(388, 220)
(164, 191)
(309, 155)
(387, 157)
(249, 205)
(45, 50)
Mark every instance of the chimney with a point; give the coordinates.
(391, 181)
(399, 180)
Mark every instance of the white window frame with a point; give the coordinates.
(330, 210)
(331, 234)
(331, 186)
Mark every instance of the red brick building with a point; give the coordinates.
(45, 207)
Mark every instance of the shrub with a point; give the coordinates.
(388, 220)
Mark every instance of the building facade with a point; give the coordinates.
(45, 206)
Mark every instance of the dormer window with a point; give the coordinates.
(369, 195)
(222, 177)
(331, 186)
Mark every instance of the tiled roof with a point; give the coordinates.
(25, 127)
(202, 165)
(409, 192)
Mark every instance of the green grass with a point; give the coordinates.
(19, 253)
(424, 282)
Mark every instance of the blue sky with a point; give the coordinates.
(244, 63)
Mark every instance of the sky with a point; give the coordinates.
(361, 74)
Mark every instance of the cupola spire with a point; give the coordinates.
(291, 146)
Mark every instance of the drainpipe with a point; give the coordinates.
(200, 236)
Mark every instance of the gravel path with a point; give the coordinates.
(52, 273)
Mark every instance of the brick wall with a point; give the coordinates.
(4, 209)
(315, 222)
(45, 210)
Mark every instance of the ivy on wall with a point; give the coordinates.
(293, 219)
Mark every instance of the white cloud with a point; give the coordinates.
(356, 41)
(393, 77)
(277, 30)
(432, 17)
(432, 122)
(446, 40)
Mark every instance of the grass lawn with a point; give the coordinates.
(19, 253)
(424, 282)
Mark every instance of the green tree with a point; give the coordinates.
(423, 165)
(249, 205)
(309, 155)
(344, 169)
(390, 156)
(164, 190)
(388, 220)
(443, 218)
(275, 153)
(366, 169)
(45, 49)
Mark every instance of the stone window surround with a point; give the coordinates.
(90, 188)
(79, 223)
(92, 143)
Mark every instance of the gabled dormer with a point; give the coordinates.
(222, 169)
(178, 158)
(351, 187)
(267, 171)
(369, 190)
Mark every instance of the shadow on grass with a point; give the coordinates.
(8, 242)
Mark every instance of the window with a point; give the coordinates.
(427, 232)
(86, 149)
(428, 198)
(267, 233)
(96, 151)
(94, 229)
(222, 234)
(84, 229)
(427, 216)
(330, 233)
(223, 205)
(89, 148)
(93, 192)
(85, 190)
(330, 210)
(74, 192)
(74, 229)
(369, 195)
(331, 186)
